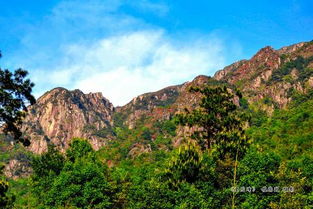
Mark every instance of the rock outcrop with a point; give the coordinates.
(163, 104)
(268, 80)
(272, 74)
(60, 115)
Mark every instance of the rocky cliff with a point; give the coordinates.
(163, 104)
(272, 75)
(60, 115)
(268, 80)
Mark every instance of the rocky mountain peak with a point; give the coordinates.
(263, 54)
(271, 75)
(265, 60)
(290, 49)
(200, 80)
(60, 115)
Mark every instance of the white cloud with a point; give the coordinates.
(125, 66)
(94, 46)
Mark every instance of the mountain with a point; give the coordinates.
(269, 80)
(60, 115)
(136, 143)
(272, 76)
(163, 104)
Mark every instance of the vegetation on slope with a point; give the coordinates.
(222, 162)
(274, 171)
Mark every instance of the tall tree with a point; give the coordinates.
(219, 125)
(185, 165)
(217, 122)
(15, 95)
(78, 180)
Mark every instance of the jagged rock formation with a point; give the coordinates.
(263, 77)
(268, 79)
(163, 104)
(151, 108)
(149, 105)
(17, 168)
(60, 115)
(272, 74)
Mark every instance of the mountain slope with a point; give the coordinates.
(60, 115)
(137, 142)
(272, 75)
(269, 80)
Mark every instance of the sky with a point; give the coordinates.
(124, 48)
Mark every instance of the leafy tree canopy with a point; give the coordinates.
(217, 122)
(15, 94)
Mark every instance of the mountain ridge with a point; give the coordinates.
(61, 114)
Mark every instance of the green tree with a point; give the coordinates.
(146, 134)
(6, 201)
(185, 165)
(48, 163)
(259, 170)
(77, 180)
(184, 181)
(218, 122)
(46, 168)
(79, 148)
(82, 184)
(219, 125)
(15, 94)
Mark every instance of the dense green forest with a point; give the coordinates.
(243, 158)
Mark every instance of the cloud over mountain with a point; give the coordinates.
(97, 46)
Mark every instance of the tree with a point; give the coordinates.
(79, 148)
(218, 122)
(259, 169)
(15, 94)
(82, 184)
(46, 168)
(77, 180)
(5, 200)
(185, 165)
(48, 163)
(219, 125)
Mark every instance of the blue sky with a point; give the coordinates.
(126, 48)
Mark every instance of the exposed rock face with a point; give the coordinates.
(163, 104)
(138, 149)
(150, 108)
(156, 104)
(254, 77)
(60, 115)
(266, 60)
(17, 168)
(219, 75)
(290, 49)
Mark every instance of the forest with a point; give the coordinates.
(236, 157)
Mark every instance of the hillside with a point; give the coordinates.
(134, 146)
(269, 80)
(272, 76)
(60, 115)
